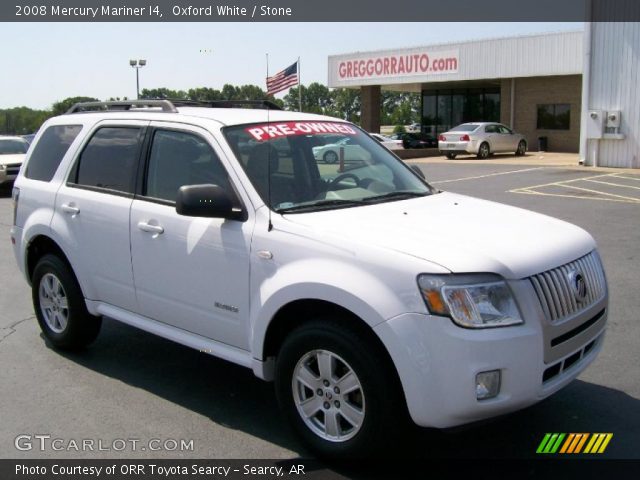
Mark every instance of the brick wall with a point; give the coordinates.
(533, 91)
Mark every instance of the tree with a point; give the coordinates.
(62, 106)
(347, 104)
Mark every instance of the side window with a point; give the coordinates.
(110, 159)
(50, 150)
(491, 129)
(181, 158)
(504, 129)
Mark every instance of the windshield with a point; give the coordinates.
(10, 146)
(320, 165)
(465, 127)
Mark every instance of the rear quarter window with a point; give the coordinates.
(50, 150)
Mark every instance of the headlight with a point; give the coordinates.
(471, 301)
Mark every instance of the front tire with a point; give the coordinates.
(336, 392)
(522, 148)
(484, 151)
(59, 305)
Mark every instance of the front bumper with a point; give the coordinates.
(9, 173)
(438, 361)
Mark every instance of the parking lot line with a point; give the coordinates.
(570, 184)
(613, 184)
(566, 195)
(488, 175)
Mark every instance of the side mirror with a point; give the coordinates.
(210, 201)
(418, 172)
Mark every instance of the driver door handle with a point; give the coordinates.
(147, 227)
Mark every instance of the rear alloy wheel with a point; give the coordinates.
(59, 305)
(522, 148)
(330, 157)
(337, 392)
(451, 156)
(484, 151)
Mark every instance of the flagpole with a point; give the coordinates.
(299, 88)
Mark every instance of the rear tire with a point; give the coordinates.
(330, 157)
(451, 156)
(484, 151)
(337, 394)
(59, 305)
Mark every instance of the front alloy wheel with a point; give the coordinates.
(328, 396)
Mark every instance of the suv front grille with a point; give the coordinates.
(13, 169)
(558, 289)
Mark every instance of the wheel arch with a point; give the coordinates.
(299, 312)
(39, 246)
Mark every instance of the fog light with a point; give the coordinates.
(487, 384)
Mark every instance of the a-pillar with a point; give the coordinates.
(370, 97)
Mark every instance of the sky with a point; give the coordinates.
(46, 62)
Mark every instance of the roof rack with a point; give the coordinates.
(169, 105)
(265, 104)
(125, 105)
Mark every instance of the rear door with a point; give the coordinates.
(191, 273)
(92, 211)
(509, 139)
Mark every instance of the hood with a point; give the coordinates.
(462, 234)
(12, 159)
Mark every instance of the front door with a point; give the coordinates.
(192, 273)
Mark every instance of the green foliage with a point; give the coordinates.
(399, 129)
(21, 120)
(397, 108)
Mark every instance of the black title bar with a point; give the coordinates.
(320, 11)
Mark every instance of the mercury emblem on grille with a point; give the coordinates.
(578, 285)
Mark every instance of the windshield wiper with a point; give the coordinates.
(322, 204)
(400, 195)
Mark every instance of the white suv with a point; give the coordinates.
(366, 294)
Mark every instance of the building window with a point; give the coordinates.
(554, 116)
(443, 109)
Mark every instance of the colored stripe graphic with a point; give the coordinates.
(574, 443)
(550, 443)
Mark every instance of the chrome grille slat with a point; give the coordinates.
(556, 293)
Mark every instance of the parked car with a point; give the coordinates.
(481, 139)
(369, 297)
(418, 140)
(12, 153)
(390, 143)
(29, 137)
(330, 153)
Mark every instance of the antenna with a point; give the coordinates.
(270, 225)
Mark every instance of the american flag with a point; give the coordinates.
(283, 79)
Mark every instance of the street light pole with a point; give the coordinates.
(137, 64)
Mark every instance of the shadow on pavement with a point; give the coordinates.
(231, 396)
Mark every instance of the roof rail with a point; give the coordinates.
(169, 105)
(265, 104)
(125, 105)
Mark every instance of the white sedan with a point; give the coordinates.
(330, 153)
(388, 142)
(12, 153)
(481, 139)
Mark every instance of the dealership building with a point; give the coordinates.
(577, 91)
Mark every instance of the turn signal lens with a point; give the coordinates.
(465, 138)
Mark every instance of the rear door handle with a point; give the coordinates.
(147, 227)
(70, 208)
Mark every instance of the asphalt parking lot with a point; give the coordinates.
(133, 385)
